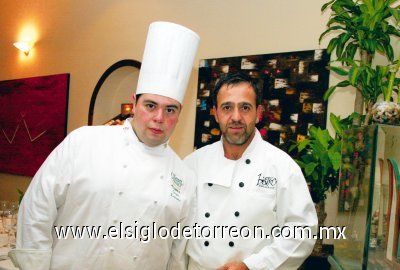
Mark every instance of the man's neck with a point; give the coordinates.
(235, 152)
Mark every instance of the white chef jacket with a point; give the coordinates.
(265, 187)
(102, 176)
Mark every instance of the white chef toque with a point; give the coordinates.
(167, 60)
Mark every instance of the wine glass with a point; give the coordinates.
(9, 218)
(3, 206)
(14, 207)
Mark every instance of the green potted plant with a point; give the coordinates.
(319, 158)
(388, 111)
(372, 82)
(366, 27)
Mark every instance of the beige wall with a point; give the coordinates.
(84, 38)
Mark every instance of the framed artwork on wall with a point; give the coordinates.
(33, 121)
(292, 85)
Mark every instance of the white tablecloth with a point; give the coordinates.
(5, 264)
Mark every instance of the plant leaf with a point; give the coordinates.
(353, 75)
(335, 121)
(343, 83)
(338, 70)
(326, 5)
(303, 144)
(335, 158)
(309, 168)
(332, 44)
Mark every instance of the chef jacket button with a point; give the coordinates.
(207, 215)
(155, 202)
(231, 244)
(120, 193)
(241, 184)
(248, 161)
(162, 177)
(125, 165)
(134, 258)
(206, 243)
(111, 249)
(237, 213)
(210, 185)
(127, 143)
(115, 220)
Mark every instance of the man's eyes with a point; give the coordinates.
(150, 105)
(171, 110)
(246, 108)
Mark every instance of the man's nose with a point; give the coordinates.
(236, 114)
(159, 115)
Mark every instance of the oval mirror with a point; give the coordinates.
(115, 87)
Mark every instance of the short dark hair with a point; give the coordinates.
(235, 79)
(137, 97)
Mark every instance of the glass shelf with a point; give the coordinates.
(368, 199)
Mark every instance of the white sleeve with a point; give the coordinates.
(179, 259)
(294, 208)
(38, 209)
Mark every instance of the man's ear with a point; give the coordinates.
(259, 113)
(215, 114)
(134, 104)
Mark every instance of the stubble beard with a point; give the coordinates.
(237, 140)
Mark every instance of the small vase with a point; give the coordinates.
(386, 113)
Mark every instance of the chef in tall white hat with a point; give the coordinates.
(123, 182)
(165, 71)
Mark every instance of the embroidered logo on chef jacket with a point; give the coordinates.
(176, 185)
(266, 182)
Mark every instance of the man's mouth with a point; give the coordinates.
(236, 128)
(156, 130)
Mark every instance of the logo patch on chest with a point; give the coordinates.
(176, 185)
(266, 182)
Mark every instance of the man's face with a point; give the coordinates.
(236, 112)
(154, 118)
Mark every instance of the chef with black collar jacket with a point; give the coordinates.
(244, 182)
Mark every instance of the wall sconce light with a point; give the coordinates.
(24, 46)
(126, 109)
